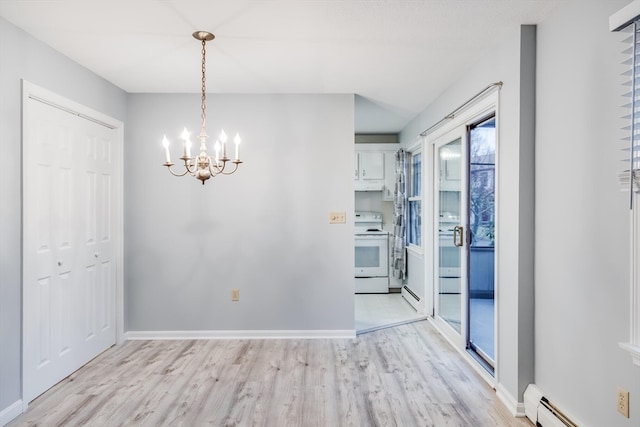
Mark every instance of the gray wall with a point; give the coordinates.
(264, 230)
(581, 251)
(582, 219)
(513, 63)
(23, 57)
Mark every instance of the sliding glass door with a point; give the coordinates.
(450, 247)
(464, 236)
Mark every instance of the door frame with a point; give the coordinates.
(31, 91)
(466, 116)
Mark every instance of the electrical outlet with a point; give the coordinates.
(623, 402)
(235, 295)
(337, 217)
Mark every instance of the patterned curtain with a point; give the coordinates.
(399, 256)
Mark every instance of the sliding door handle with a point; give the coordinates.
(458, 233)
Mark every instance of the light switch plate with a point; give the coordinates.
(337, 217)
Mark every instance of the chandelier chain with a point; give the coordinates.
(204, 88)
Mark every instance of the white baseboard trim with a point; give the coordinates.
(251, 334)
(486, 376)
(516, 408)
(10, 412)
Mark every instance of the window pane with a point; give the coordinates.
(416, 174)
(415, 220)
(482, 154)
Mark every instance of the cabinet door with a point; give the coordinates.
(371, 165)
(389, 175)
(356, 167)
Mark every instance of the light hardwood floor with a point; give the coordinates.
(401, 376)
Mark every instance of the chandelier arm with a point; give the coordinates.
(214, 168)
(236, 163)
(190, 164)
(187, 171)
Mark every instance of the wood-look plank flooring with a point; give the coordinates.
(401, 376)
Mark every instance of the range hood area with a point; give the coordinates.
(364, 186)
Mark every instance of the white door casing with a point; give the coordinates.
(72, 226)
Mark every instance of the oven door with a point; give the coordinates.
(372, 255)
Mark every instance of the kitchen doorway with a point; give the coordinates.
(378, 306)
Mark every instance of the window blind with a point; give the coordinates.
(629, 175)
(627, 20)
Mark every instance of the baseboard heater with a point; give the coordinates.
(542, 412)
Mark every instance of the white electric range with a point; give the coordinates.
(371, 253)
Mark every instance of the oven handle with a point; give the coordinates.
(371, 236)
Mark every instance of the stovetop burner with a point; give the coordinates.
(368, 223)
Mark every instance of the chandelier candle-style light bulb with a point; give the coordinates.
(223, 140)
(165, 142)
(237, 141)
(203, 166)
(186, 144)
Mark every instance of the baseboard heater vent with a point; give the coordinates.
(542, 412)
(406, 288)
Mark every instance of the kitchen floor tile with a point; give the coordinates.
(378, 311)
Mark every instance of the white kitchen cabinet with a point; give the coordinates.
(389, 176)
(370, 165)
(369, 170)
(375, 168)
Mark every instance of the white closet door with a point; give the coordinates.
(69, 256)
(95, 216)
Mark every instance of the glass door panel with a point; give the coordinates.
(450, 272)
(481, 218)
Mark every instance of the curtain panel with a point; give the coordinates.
(399, 255)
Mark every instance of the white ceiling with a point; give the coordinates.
(395, 55)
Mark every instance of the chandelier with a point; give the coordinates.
(203, 166)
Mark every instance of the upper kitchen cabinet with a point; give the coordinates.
(375, 166)
(370, 165)
(388, 193)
